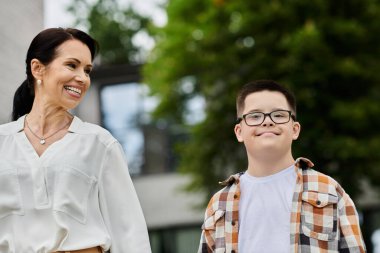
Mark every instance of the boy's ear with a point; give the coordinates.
(237, 131)
(37, 68)
(296, 130)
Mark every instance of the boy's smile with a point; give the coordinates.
(267, 133)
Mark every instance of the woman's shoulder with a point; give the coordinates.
(10, 128)
(87, 128)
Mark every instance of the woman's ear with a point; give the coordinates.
(296, 130)
(37, 69)
(237, 131)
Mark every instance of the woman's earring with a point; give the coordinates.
(39, 82)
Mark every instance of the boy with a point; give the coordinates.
(279, 205)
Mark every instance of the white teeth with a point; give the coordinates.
(73, 89)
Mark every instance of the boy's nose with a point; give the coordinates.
(267, 121)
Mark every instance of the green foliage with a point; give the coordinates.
(113, 27)
(327, 52)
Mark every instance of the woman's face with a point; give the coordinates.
(66, 79)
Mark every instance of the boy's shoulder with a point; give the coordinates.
(316, 181)
(229, 193)
(314, 175)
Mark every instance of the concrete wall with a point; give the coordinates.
(165, 203)
(20, 21)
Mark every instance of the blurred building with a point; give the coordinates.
(20, 21)
(118, 101)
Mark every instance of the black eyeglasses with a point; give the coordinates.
(257, 118)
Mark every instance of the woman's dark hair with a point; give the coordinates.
(44, 48)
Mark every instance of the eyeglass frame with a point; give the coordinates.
(291, 116)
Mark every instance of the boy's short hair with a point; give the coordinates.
(262, 85)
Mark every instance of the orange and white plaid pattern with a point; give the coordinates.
(323, 217)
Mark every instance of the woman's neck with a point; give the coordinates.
(47, 119)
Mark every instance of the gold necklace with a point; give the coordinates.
(43, 139)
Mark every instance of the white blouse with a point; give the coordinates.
(78, 194)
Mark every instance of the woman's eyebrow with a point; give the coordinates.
(79, 62)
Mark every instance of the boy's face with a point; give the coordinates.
(268, 136)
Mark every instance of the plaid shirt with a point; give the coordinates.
(323, 217)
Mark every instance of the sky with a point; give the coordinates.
(55, 14)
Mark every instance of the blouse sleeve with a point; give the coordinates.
(120, 206)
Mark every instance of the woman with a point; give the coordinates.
(64, 184)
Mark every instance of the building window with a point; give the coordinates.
(175, 240)
(149, 145)
(125, 110)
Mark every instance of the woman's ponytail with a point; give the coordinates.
(23, 100)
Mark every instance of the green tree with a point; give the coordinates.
(327, 52)
(113, 27)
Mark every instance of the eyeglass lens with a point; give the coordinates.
(257, 118)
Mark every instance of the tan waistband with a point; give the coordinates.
(90, 250)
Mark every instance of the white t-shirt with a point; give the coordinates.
(264, 212)
(78, 194)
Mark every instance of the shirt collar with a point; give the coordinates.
(75, 127)
(303, 163)
(300, 162)
(232, 179)
(19, 124)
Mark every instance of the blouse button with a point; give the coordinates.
(233, 223)
(235, 196)
(318, 202)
